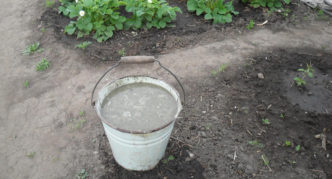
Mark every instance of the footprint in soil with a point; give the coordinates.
(180, 165)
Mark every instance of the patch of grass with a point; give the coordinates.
(26, 83)
(221, 69)
(83, 174)
(31, 154)
(256, 143)
(251, 25)
(77, 124)
(49, 3)
(288, 143)
(298, 148)
(31, 49)
(42, 65)
(266, 121)
(43, 29)
(170, 158)
(83, 45)
(122, 52)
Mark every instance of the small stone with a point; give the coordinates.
(95, 152)
(191, 155)
(203, 112)
(309, 93)
(203, 134)
(260, 75)
(327, 155)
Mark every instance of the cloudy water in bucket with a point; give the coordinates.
(139, 107)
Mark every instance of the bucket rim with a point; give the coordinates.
(148, 131)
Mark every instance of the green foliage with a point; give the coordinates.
(31, 154)
(82, 113)
(272, 4)
(83, 45)
(299, 81)
(282, 116)
(266, 121)
(26, 83)
(309, 71)
(288, 143)
(83, 174)
(256, 143)
(298, 148)
(49, 3)
(221, 68)
(29, 50)
(266, 161)
(217, 10)
(102, 17)
(42, 65)
(122, 52)
(251, 25)
(170, 158)
(147, 15)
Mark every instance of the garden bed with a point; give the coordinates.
(189, 30)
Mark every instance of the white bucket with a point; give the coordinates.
(134, 150)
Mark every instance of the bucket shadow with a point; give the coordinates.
(175, 164)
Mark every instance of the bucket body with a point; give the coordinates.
(137, 150)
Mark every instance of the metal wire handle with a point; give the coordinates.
(137, 60)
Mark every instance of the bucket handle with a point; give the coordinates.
(137, 60)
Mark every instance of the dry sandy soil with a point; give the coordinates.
(44, 133)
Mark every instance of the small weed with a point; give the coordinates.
(299, 81)
(292, 161)
(42, 65)
(49, 3)
(43, 29)
(83, 45)
(82, 113)
(170, 158)
(288, 143)
(322, 16)
(78, 124)
(31, 154)
(256, 144)
(251, 25)
(298, 148)
(122, 52)
(266, 121)
(309, 71)
(32, 49)
(221, 68)
(282, 116)
(286, 12)
(94, 140)
(266, 161)
(83, 174)
(26, 83)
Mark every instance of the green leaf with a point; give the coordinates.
(287, 1)
(199, 12)
(297, 148)
(119, 26)
(191, 5)
(88, 3)
(171, 157)
(162, 24)
(208, 16)
(70, 29)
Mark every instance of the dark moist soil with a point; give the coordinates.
(225, 112)
(189, 30)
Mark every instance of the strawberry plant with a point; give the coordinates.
(272, 4)
(217, 10)
(155, 13)
(102, 17)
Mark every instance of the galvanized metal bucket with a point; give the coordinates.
(136, 150)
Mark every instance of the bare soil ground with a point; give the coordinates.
(49, 130)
